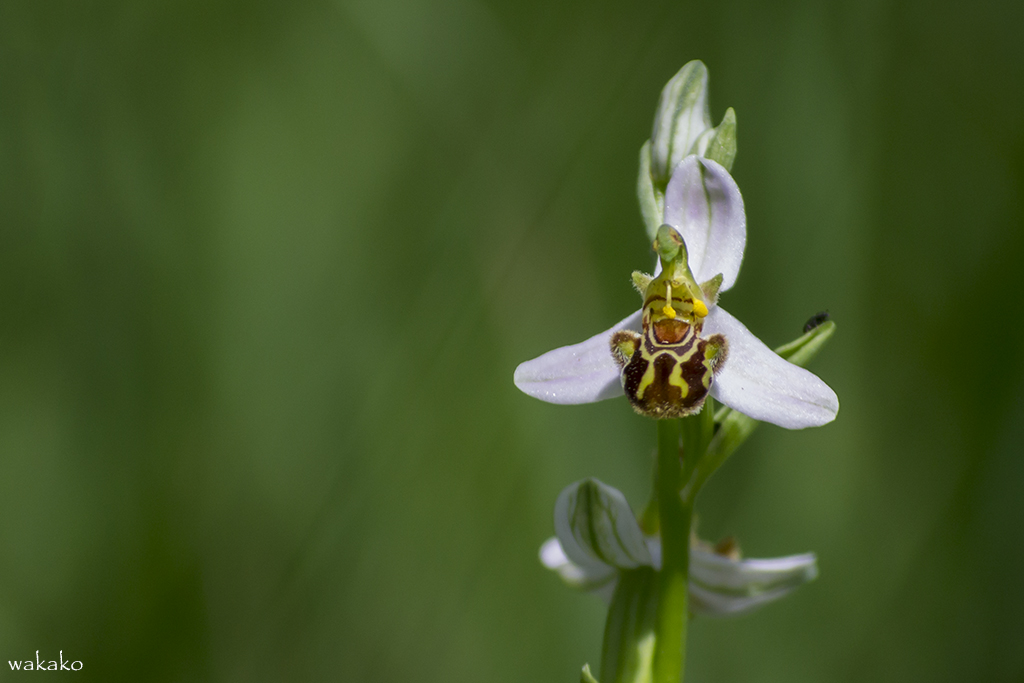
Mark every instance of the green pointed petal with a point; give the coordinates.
(595, 524)
(719, 144)
(711, 288)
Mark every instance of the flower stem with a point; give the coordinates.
(675, 518)
(697, 432)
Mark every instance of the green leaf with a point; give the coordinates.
(801, 350)
(586, 676)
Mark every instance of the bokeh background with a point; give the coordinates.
(266, 269)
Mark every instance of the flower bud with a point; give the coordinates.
(682, 126)
(682, 118)
(595, 524)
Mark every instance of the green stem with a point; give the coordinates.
(689, 452)
(675, 518)
(697, 432)
(734, 427)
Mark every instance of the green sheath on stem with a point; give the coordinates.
(629, 630)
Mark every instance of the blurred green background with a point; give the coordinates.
(266, 269)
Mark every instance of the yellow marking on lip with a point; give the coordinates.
(647, 379)
(676, 379)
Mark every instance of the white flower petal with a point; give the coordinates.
(709, 603)
(581, 373)
(704, 204)
(720, 586)
(761, 384)
(591, 576)
(715, 571)
(594, 523)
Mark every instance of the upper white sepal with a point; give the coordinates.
(703, 203)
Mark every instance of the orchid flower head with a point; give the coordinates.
(598, 538)
(704, 213)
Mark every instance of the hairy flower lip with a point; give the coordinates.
(703, 203)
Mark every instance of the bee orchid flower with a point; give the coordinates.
(702, 348)
(598, 539)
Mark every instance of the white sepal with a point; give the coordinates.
(719, 586)
(581, 373)
(759, 383)
(722, 586)
(590, 577)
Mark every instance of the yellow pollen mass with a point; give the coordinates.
(699, 308)
(668, 310)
